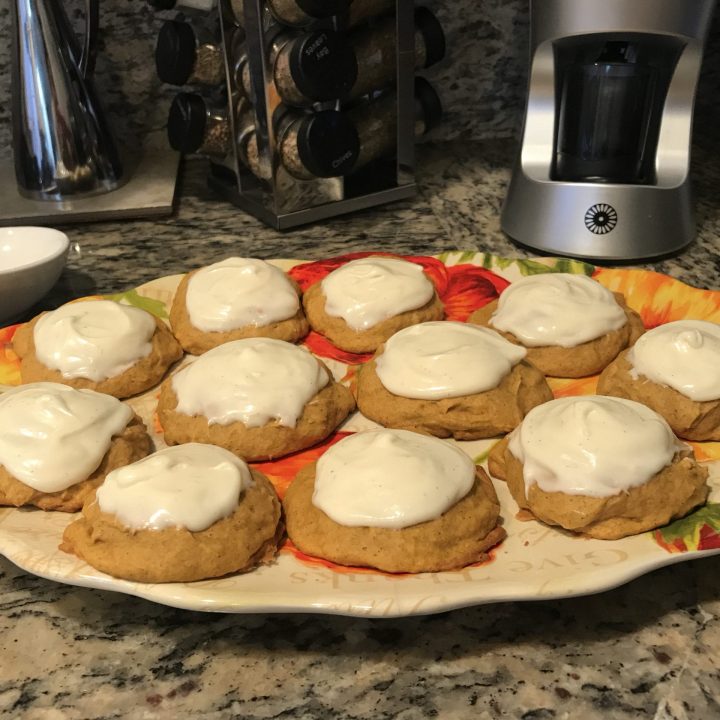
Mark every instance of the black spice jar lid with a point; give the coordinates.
(429, 101)
(186, 122)
(175, 52)
(327, 143)
(323, 8)
(162, 4)
(323, 65)
(432, 32)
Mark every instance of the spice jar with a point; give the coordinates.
(181, 59)
(317, 145)
(203, 5)
(247, 144)
(376, 121)
(238, 9)
(362, 10)
(376, 51)
(241, 75)
(304, 12)
(197, 126)
(312, 67)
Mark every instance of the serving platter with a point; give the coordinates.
(534, 562)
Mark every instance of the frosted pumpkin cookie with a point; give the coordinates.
(57, 444)
(185, 513)
(362, 303)
(604, 467)
(234, 299)
(450, 379)
(570, 324)
(675, 370)
(396, 501)
(259, 398)
(96, 344)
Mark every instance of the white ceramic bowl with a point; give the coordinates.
(31, 260)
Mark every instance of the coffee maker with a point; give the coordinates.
(603, 168)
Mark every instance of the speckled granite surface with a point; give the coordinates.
(481, 81)
(461, 189)
(645, 650)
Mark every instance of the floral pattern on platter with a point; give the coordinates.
(9, 361)
(465, 281)
(698, 531)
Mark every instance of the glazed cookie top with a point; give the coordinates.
(367, 291)
(53, 436)
(592, 445)
(93, 339)
(557, 309)
(252, 381)
(391, 479)
(239, 292)
(684, 355)
(436, 360)
(190, 486)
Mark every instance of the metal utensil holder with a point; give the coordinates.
(281, 200)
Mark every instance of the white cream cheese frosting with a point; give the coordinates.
(684, 355)
(391, 479)
(557, 309)
(239, 292)
(190, 486)
(367, 291)
(93, 339)
(592, 445)
(252, 381)
(53, 436)
(435, 360)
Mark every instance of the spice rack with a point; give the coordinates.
(317, 116)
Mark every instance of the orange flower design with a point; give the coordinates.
(319, 345)
(283, 471)
(462, 288)
(566, 387)
(658, 298)
(9, 361)
(469, 288)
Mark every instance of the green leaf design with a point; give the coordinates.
(466, 256)
(503, 263)
(688, 528)
(132, 297)
(576, 267)
(533, 267)
(483, 456)
(559, 265)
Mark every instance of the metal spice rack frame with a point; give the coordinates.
(283, 202)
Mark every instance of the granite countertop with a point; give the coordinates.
(645, 650)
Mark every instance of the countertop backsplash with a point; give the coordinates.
(482, 79)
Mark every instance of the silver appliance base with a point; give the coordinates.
(148, 193)
(594, 221)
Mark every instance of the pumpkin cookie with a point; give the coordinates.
(234, 299)
(599, 466)
(450, 379)
(675, 370)
(396, 501)
(97, 345)
(186, 513)
(259, 398)
(362, 303)
(57, 444)
(570, 324)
